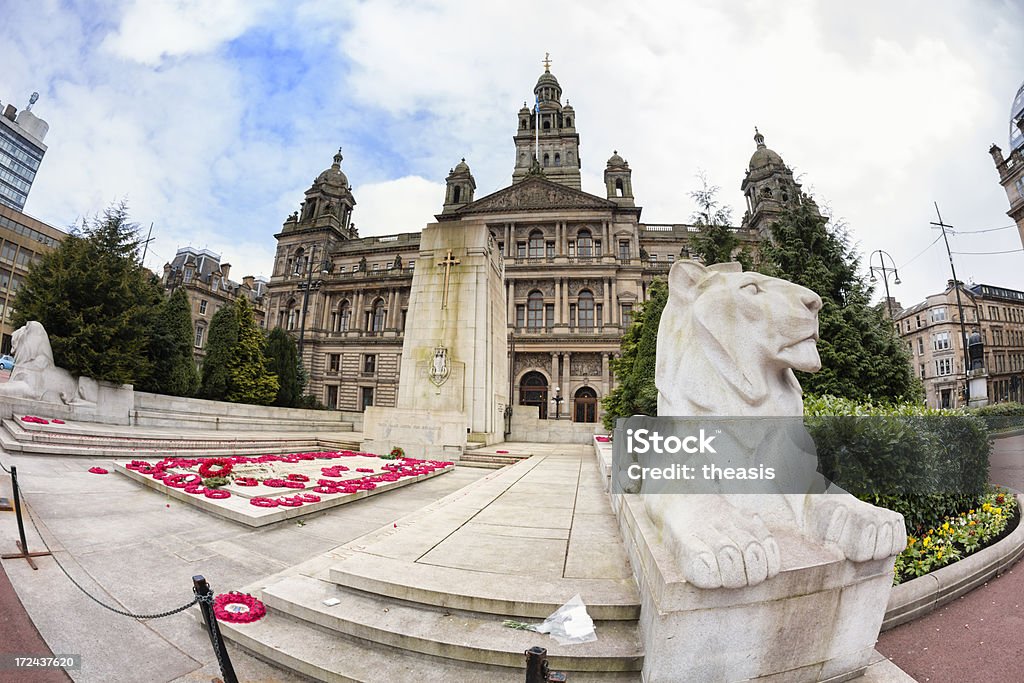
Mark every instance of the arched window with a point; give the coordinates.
(584, 243)
(300, 262)
(456, 193)
(533, 391)
(378, 316)
(344, 316)
(568, 122)
(586, 309)
(536, 244)
(546, 159)
(558, 159)
(619, 191)
(535, 311)
(292, 315)
(547, 123)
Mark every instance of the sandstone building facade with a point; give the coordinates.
(576, 267)
(205, 280)
(1011, 167)
(932, 332)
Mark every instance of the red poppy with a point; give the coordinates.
(98, 470)
(261, 502)
(217, 493)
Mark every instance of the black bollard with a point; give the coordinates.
(205, 595)
(22, 543)
(537, 667)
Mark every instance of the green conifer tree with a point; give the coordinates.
(283, 361)
(249, 379)
(174, 365)
(635, 392)
(95, 300)
(861, 355)
(222, 336)
(717, 241)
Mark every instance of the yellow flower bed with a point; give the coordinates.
(956, 537)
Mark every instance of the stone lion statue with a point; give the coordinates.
(36, 377)
(727, 346)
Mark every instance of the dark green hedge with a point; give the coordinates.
(925, 464)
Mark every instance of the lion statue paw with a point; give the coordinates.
(720, 547)
(860, 530)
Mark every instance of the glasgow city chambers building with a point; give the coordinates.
(576, 267)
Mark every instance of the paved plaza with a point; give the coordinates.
(137, 550)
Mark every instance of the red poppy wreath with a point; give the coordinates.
(238, 608)
(207, 468)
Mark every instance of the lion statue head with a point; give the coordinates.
(729, 341)
(30, 346)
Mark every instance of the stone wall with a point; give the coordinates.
(157, 410)
(527, 426)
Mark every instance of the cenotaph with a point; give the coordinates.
(454, 368)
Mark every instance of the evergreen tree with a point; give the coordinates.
(717, 242)
(249, 378)
(222, 336)
(861, 355)
(95, 300)
(174, 366)
(635, 392)
(283, 361)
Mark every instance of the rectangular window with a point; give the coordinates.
(549, 315)
(597, 248)
(521, 249)
(671, 258)
(623, 250)
(918, 317)
(376, 266)
(199, 336)
(24, 257)
(202, 307)
(333, 362)
(922, 371)
(412, 263)
(370, 363)
(938, 314)
(365, 397)
(520, 316)
(627, 315)
(332, 396)
(653, 258)
(550, 249)
(943, 367)
(940, 341)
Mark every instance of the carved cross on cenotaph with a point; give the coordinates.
(448, 262)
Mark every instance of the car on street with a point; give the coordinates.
(6, 362)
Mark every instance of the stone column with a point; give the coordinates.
(607, 229)
(615, 317)
(606, 384)
(558, 302)
(565, 302)
(607, 315)
(508, 240)
(564, 246)
(358, 320)
(554, 381)
(392, 305)
(509, 291)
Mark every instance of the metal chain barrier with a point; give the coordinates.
(4, 468)
(97, 600)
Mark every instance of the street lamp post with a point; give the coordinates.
(884, 270)
(305, 296)
(557, 400)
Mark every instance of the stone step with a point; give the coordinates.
(475, 591)
(16, 438)
(334, 658)
(457, 635)
(463, 462)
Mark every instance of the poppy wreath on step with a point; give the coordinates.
(207, 468)
(238, 608)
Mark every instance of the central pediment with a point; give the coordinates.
(535, 193)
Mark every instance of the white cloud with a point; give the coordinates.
(884, 108)
(152, 30)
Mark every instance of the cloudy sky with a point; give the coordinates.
(213, 117)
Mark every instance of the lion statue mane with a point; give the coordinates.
(35, 376)
(728, 344)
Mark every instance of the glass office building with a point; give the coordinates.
(21, 152)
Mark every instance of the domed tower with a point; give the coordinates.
(460, 187)
(618, 181)
(328, 204)
(549, 133)
(1011, 168)
(768, 186)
